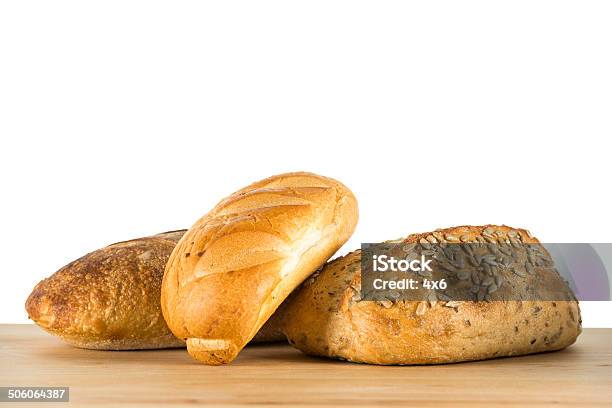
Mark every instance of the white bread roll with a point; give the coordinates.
(235, 266)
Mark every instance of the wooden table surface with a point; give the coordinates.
(279, 375)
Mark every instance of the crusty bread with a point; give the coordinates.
(326, 317)
(235, 266)
(110, 299)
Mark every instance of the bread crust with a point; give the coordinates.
(110, 299)
(235, 266)
(324, 317)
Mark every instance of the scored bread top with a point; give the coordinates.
(234, 267)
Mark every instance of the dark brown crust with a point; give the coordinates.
(324, 317)
(109, 298)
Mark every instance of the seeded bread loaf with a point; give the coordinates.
(235, 266)
(110, 299)
(326, 317)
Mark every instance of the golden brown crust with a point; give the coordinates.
(234, 267)
(325, 317)
(110, 299)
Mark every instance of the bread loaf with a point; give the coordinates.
(325, 316)
(235, 266)
(110, 299)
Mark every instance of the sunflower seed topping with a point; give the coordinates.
(463, 275)
(386, 303)
(424, 243)
(487, 281)
(475, 265)
(421, 308)
(443, 297)
(513, 234)
(408, 247)
(451, 238)
(488, 232)
(475, 278)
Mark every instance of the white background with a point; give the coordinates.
(120, 119)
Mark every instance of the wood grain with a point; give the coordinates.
(279, 375)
